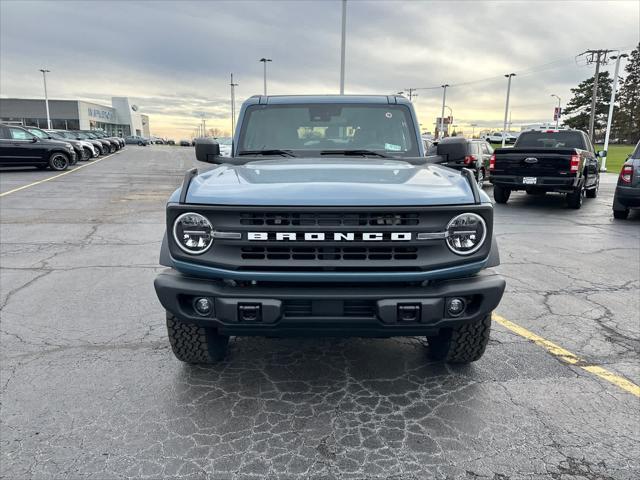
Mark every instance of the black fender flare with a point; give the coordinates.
(165, 255)
(494, 255)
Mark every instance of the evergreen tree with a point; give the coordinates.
(627, 118)
(578, 109)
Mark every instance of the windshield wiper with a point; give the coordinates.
(284, 153)
(359, 153)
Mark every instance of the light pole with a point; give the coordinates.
(264, 61)
(612, 102)
(558, 112)
(444, 97)
(473, 131)
(343, 45)
(46, 97)
(506, 108)
(233, 104)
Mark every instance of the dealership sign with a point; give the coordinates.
(101, 114)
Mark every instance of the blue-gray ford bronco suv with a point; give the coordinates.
(328, 220)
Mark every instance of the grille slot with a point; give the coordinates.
(349, 308)
(329, 253)
(357, 219)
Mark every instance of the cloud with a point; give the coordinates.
(174, 58)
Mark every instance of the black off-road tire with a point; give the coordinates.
(463, 344)
(501, 194)
(194, 344)
(621, 214)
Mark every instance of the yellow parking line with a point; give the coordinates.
(569, 357)
(54, 177)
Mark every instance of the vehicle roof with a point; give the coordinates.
(298, 99)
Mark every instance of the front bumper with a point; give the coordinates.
(516, 182)
(327, 309)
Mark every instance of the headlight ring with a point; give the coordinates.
(193, 233)
(466, 233)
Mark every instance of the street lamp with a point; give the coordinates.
(343, 46)
(264, 61)
(506, 108)
(473, 131)
(444, 97)
(612, 102)
(558, 113)
(46, 97)
(233, 104)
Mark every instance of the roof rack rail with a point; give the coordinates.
(468, 174)
(185, 184)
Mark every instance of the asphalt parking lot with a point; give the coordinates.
(90, 388)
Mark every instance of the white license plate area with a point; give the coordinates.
(529, 180)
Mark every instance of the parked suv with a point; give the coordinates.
(19, 147)
(462, 153)
(628, 189)
(328, 220)
(77, 148)
(136, 140)
(90, 149)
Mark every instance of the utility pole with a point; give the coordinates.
(444, 97)
(233, 104)
(506, 108)
(599, 57)
(343, 45)
(473, 131)
(612, 102)
(411, 94)
(264, 61)
(558, 112)
(46, 97)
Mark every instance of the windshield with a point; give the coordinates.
(309, 129)
(56, 135)
(566, 139)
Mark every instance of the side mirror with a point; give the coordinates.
(602, 153)
(208, 150)
(34, 139)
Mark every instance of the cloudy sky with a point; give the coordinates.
(174, 58)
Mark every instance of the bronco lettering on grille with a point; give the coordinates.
(332, 237)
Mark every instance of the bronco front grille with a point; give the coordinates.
(329, 253)
(337, 219)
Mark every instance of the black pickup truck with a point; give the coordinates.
(547, 161)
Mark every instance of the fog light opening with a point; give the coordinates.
(456, 306)
(203, 306)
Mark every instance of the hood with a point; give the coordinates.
(327, 182)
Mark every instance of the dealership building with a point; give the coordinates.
(121, 118)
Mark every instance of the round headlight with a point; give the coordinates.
(466, 233)
(193, 233)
